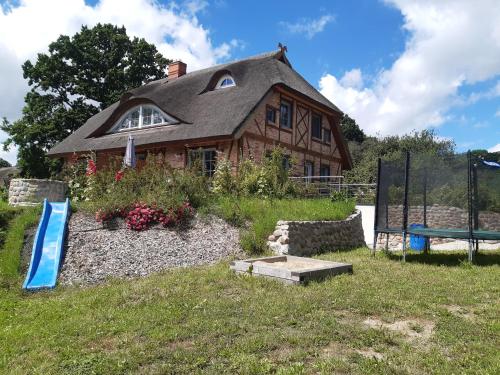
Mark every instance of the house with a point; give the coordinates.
(239, 110)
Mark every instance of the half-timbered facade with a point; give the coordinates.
(236, 110)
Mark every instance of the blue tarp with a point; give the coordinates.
(491, 164)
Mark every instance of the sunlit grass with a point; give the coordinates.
(261, 215)
(209, 320)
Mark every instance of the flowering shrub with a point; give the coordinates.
(142, 216)
(119, 175)
(79, 173)
(91, 167)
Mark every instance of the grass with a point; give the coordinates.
(209, 320)
(14, 239)
(262, 215)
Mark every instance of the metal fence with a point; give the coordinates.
(314, 186)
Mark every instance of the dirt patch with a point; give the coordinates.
(459, 311)
(281, 353)
(29, 238)
(181, 345)
(370, 353)
(336, 350)
(412, 329)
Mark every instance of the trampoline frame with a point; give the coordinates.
(472, 233)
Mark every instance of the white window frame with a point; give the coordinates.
(203, 151)
(222, 79)
(169, 119)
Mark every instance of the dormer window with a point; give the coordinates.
(142, 116)
(224, 82)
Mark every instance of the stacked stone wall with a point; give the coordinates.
(25, 192)
(438, 216)
(306, 238)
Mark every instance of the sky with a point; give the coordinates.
(393, 65)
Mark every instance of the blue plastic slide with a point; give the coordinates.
(48, 246)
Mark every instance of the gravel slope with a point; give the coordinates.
(94, 254)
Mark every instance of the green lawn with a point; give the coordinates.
(261, 215)
(208, 320)
(13, 224)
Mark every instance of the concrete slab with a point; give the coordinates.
(290, 269)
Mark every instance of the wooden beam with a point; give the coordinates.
(290, 146)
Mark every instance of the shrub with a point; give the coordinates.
(267, 179)
(155, 184)
(76, 175)
(223, 181)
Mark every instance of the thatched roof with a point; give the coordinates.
(201, 112)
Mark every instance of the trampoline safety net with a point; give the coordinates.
(454, 196)
(390, 198)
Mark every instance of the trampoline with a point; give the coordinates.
(454, 196)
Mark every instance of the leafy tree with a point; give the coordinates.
(79, 76)
(365, 154)
(351, 130)
(4, 163)
(484, 154)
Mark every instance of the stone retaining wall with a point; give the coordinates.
(437, 217)
(305, 238)
(25, 192)
(442, 217)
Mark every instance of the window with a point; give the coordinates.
(316, 126)
(286, 114)
(271, 115)
(308, 170)
(224, 82)
(286, 162)
(142, 116)
(327, 135)
(204, 159)
(324, 171)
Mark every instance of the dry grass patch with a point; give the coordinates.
(460, 312)
(412, 329)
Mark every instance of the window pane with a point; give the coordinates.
(271, 115)
(286, 162)
(285, 115)
(316, 126)
(146, 116)
(158, 118)
(134, 119)
(125, 123)
(324, 171)
(327, 135)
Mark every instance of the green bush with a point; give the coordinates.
(268, 179)
(74, 174)
(156, 184)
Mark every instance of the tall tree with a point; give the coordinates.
(4, 163)
(79, 76)
(351, 130)
(365, 154)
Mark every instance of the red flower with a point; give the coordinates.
(119, 175)
(91, 168)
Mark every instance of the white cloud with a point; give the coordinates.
(497, 113)
(27, 29)
(495, 148)
(309, 27)
(451, 44)
(352, 78)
